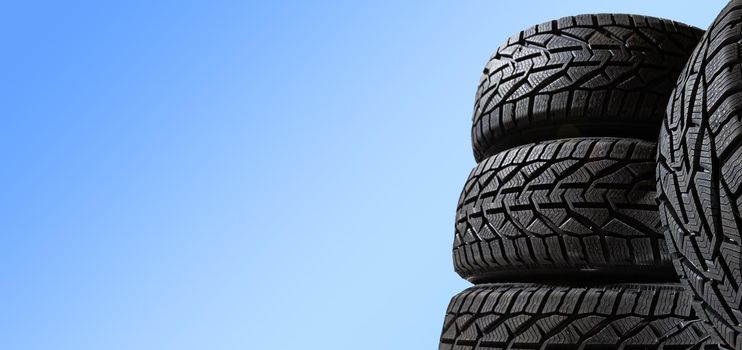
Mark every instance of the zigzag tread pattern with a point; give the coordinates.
(587, 75)
(699, 172)
(561, 317)
(570, 204)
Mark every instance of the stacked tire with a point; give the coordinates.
(558, 225)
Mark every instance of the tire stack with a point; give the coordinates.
(557, 225)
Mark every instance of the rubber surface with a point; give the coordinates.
(563, 210)
(588, 75)
(700, 174)
(611, 317)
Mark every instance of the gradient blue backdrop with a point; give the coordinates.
(237, 175)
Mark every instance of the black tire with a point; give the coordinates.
(537, 316)
(561, 210)
(699, 172)
(588, 75)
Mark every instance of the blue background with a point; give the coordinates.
(243, 175)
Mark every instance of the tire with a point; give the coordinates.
(700, 175)
(588, 75)
(562, 210)
(537, 316)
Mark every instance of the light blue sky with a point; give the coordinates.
(236, 175)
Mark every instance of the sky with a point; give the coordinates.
(243, 175)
